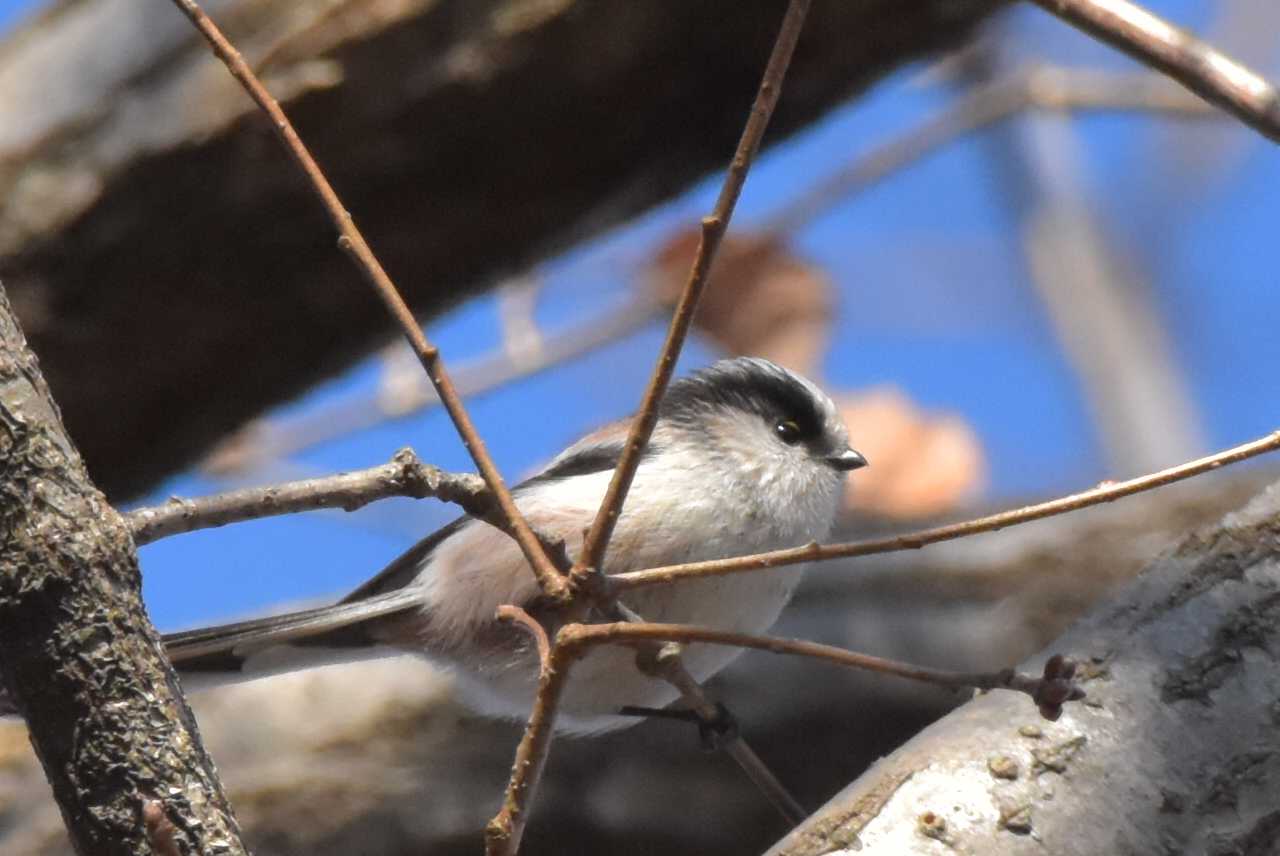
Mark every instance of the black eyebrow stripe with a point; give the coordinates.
(770, 394)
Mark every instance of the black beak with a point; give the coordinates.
(846, 460)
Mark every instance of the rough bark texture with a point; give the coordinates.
(1175, 751)
(152, 225)
(77, 650)
(375, 759)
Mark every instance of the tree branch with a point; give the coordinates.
(1049, 691)
(925, 537)
(406, 475)
(713, 229)
(353, 243)
(664, 661)
(1199, 67)
(1175, 745)
(502, 834)
(78, 656)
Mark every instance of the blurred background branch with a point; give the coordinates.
(443, 124)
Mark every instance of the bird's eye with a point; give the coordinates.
(788, 431)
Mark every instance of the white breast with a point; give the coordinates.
(671, 516)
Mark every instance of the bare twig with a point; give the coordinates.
(404, 476)
(713, 229)
(353, 243)
(925, 537)
(1034, 88)
(663, 661)
(502, 834)
(1153, 41)
(1045, 689)
(530, 625)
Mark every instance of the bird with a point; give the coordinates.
(746, 456)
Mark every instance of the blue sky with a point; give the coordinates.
(933, 298)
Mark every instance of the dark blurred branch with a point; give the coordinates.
(78, 657)
(1198, 66)
(352, 241)
(515, 100)
(404, 476)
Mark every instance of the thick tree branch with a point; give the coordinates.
(78, 655)
(1175, 745)
(111, 130)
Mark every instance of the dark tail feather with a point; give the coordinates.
(226, 648)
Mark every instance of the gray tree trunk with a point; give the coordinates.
(77, 652)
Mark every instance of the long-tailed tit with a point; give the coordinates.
(746, 457)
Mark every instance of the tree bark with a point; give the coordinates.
(151, 220)
(1174, 751)
(77, 652)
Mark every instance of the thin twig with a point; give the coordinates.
(713, 229)
(581, 636)
(1036, 88)
(503, 833)
(922, 538)
(353, 243)
(1199, 67)
(536, 631)
(662, 660)
(502, 836)
(405, 475)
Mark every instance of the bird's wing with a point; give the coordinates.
(592, 454)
